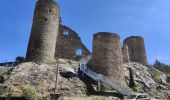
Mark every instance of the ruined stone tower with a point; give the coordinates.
(125, 52)
(137, 52)
(69, 45)
(41, 48)
(107, 56)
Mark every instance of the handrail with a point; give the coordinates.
(102, 78)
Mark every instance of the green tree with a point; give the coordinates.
(161, 66)
(131, 81)
(19, 59)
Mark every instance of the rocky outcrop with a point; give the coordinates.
(168, 79)
(148, 78)
(43, 78)
(142, 76)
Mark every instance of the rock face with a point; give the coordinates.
(168, 79)
(141, 76)
(149, 79)
(41, 48)
(107, 56)
(42, 78)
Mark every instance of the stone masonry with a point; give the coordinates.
(41, 47)
(68, 43)
(137, 52)
(125, 52)
(107, 56)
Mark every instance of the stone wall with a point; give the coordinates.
(41, 48)
(125, 52)
(107, 56)
(68, 43)
(137, 52)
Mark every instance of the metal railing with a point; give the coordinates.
(102, 78)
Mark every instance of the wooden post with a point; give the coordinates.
(56, 83)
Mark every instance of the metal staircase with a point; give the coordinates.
(101, 78)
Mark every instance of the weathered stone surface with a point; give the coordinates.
(4, 70)
(125, 52)
(41, 47)
(137, 52)
(42, 78)
(145, 78)
(168, 79)
(107, 56)
(158, 76)
(142, 76)
(68, 42)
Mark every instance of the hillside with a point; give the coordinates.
(42, 79)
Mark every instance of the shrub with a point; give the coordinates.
(19, 59)
(30, 94)
(156, 77)
(136, 89)
(69, 61)
(103, 88)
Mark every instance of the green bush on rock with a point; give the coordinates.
(136, 89)
(30, 93)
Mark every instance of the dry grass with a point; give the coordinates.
(87, 98)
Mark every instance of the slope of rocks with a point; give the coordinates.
(149, 79)
(43, 78)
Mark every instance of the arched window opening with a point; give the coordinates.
(79, 52)
(66, 32)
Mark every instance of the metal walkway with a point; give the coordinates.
(101, 78)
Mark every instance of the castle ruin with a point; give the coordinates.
(107, 56)
(136, 47)
(41, 48)
(69, 45)
(51, 40)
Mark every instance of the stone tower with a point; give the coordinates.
(41, 47)
(125, 52)
(69, 43)
(137, 52)
(107, 56)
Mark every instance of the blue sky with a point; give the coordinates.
(147, 18)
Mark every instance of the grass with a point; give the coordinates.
(86, 98)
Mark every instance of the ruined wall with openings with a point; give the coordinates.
(69, 45)
(107, 56)
(137, 52)
(41, 47)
